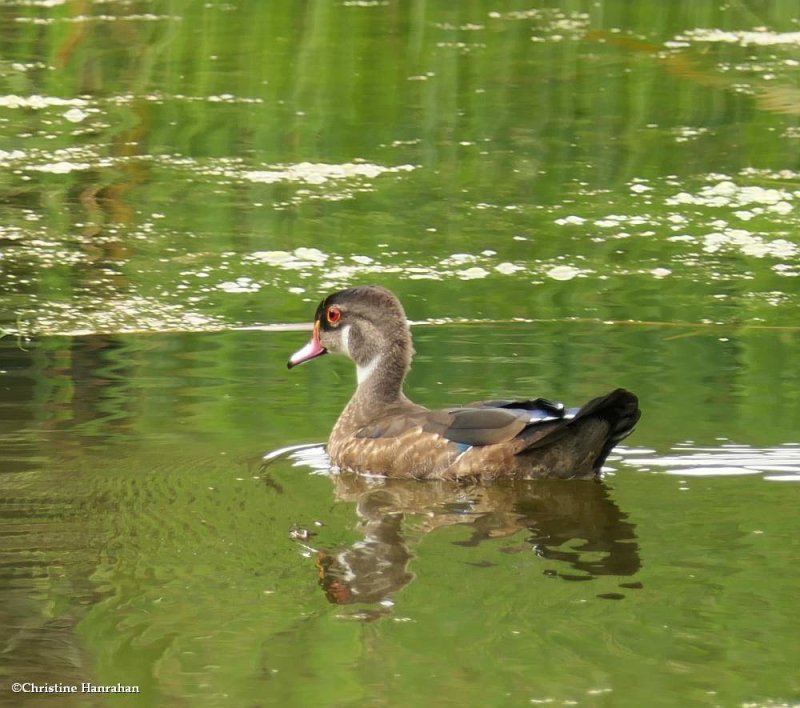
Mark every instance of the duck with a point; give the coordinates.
(381, 432)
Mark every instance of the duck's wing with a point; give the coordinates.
(476, 426)
(467, 426)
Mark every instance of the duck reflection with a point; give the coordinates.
(544, 516)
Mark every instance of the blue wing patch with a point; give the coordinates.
(462, 447)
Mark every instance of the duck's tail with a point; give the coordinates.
(578, 447)
(620, 410)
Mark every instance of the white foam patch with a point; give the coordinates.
(474, 273)
(37, 102)
(563, 272)
(744, 38)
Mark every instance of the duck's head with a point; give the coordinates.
(367, 324)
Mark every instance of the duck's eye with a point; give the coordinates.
(334, 314)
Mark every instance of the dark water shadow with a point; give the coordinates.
(575, 524)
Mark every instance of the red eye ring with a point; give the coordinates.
(333, 315)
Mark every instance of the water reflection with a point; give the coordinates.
(577, 525)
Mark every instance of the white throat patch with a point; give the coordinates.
(364, 372)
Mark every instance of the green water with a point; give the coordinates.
(567, 197)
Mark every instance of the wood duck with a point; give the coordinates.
(381, 432)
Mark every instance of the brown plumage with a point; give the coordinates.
(382, 432)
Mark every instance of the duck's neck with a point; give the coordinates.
(380, 385)
(380, 380)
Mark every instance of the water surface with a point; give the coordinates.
(568, 197)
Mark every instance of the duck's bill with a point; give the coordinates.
(310, 351)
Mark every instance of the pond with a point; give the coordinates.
(567, 197)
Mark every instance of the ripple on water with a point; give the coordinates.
(309, 455)
(722, 461)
